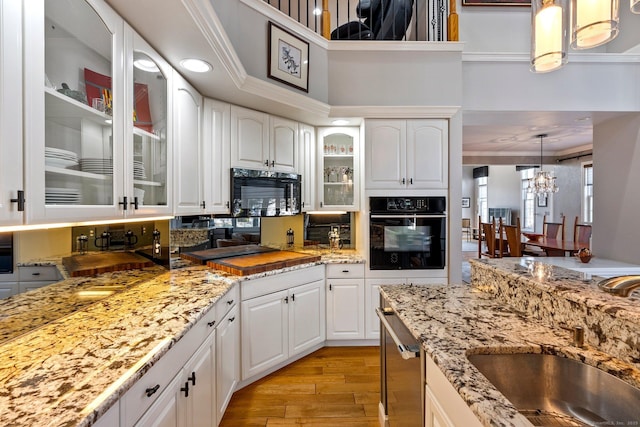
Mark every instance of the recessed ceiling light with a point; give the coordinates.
(340, 122)
(196, 65)
(146, 65)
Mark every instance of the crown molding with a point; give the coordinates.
(574, 57)
(258, 87)
(393, 111)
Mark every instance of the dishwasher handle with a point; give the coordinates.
(406, 351)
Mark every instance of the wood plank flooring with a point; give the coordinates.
(332, 386)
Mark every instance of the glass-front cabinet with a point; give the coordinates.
(338, 153)
(96, 125)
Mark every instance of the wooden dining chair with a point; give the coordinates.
(466, 228)
(488, 236)
(551, 229)
(511, 234)
(581, 233)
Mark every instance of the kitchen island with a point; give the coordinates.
(503, 312)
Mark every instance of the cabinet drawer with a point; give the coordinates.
(226, 303)
(38, 273)
(345, 271)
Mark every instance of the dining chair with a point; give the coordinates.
(466, 228)
(511, 234)
(488, 236)
(551, 229)
(581, 233)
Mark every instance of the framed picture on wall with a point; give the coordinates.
(288, 58)
(542, 200)
(466, 202)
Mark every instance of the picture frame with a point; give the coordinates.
(466, 202)
(288, 60)
(526, 3)
(542, 200)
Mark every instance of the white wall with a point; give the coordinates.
(616, 174)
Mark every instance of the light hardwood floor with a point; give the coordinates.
(334, 386)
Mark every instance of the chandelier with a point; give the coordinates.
(543, 183)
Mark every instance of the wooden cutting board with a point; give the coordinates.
(201, 257)
(104, 262)
(259, 263)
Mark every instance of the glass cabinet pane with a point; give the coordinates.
(79, 147)
(149, 132)
(338, 170)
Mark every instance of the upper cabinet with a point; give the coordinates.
(338, 153)
(96, 140)
(216, 147)
(263, 142)
(406, 154)
(306, 164)
(11, 181)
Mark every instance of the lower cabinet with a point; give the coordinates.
(199, 386)
(443, 405)
(166, 410)
(282, 316)
(345, 302)
(227, 360)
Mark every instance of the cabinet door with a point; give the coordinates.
(283, 142)
(111, 418)
(166, 410)
(345, 309)
(147, 171)
(306, 165)
(74, 111)
(188, 162)
(264, 333)
(306, 316)
(11, 153)
(249, 138)
(215, 148)
(199, 374)
(385, 154)
(227, 360)
(427, 153)
(372, 300)
(338, 169)
(8, 289)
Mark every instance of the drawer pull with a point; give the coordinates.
(192, 378)
(345, 271)
(152, 390)
(232, 319)
(230, 302)
(185, 389)
(211, 324)
(35, 274)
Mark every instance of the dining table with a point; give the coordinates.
(553, 247)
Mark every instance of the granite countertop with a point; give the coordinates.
(456, 320)
(63, 345)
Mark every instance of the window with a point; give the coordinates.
(483, 208)
(587, 193)
(527, 220)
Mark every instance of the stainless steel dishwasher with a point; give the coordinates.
(402, 373)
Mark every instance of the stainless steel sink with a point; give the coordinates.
(556, 391)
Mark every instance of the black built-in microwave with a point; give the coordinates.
(264, 193)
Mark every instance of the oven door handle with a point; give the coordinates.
(410, 216)
(406, 351)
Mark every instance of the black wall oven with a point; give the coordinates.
(407, 233)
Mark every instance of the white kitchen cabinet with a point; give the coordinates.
(406, 154)
(188, 188)
(8, 289)
(227, 360)
(282, 316)
(11, 152)
(345, 301)
(443, 405)
(216, 146)
(306, 165)
(96, 129)
(166, 410)
(338, 168)
(111, 418)
(262, 142)
(199, 386)
(34, 277)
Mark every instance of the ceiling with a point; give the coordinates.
(493, 133)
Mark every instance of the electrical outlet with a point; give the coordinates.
(143, 231)
(92, 232)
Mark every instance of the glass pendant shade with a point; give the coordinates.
(543, 182)
(549, 41)
(635, 6)
(593, 22)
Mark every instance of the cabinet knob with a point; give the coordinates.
(19, 200)
(152, 390)
(411, 181)
(227, 204)
(273, 163)
(403, 181)
(286, 300)
(203, 205)
(266, 162)
(185, 389)
(135, 203)
(123, 203)
(192, 378)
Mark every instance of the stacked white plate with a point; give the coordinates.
(59, 157)
(138, 170)
(61, 196)
(97, 166)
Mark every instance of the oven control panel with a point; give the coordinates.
(407, 204)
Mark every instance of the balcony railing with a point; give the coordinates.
(410, 20)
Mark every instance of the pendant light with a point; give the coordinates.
(635, 6)
(549, 41)
(542, 183)
(593, 22)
